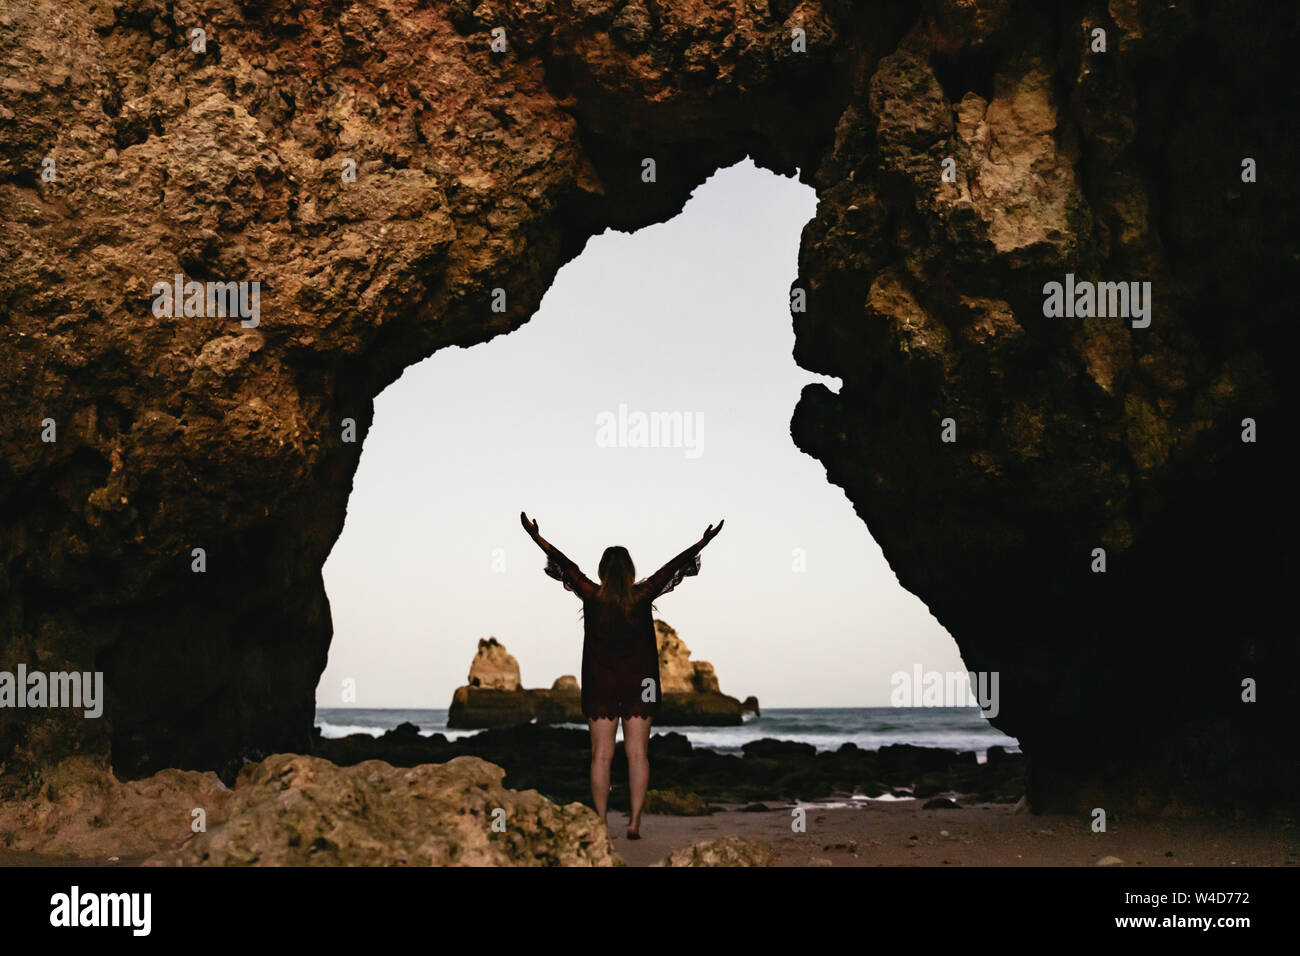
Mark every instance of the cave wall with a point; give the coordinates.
(479, 170)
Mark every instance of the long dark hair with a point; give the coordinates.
(617, 574)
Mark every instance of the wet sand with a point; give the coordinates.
(902, 834)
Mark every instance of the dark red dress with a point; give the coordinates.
(620, 661)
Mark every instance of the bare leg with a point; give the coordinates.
(636, 737)
(603, 731)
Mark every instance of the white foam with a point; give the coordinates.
(344, 730)
(883, 798)
(334, 731)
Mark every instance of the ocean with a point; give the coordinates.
(826, 728)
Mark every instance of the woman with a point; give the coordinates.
(620, 660)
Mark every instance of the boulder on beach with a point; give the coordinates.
(295, 810)
(676, 803)
(82, 810)
(941, 803)
(770, 749)
(724, 851)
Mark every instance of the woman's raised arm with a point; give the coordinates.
(534, 533)
(684, 564)
(558, 564)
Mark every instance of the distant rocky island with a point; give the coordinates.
(496, 697)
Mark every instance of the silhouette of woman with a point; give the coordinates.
(620, 661)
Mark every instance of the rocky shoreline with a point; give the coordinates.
(507, 796)
(688, 779)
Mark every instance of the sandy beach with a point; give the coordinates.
(903, 834)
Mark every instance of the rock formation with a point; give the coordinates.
(495, 697)
(493, 668)
(285, 812)
(141, 447)
(557, 761)
(676, 803)
(678, 674)
(724, 851)
(473, 708)
(690, 688)
(81, 809)
(293, 810)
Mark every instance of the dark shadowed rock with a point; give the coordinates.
(676, 803)
(555, 761)
(669, 745)
(940, 803)
(767, 748)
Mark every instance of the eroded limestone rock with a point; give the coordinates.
(494, 668)
(303, 811)
(478, 170)
(293, 810)
(724, 851)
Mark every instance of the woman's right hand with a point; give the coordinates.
(711, 532)
(530, 526)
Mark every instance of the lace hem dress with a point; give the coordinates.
(620, 657)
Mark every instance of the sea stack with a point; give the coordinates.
(692, 695)
(494, 668)
(495, 696)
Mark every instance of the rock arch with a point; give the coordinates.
(478, 170)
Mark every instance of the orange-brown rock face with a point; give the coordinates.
(380, 172)
(494, 668)
(496, 697)
(692, 695)
(678, 674)
(295, 810)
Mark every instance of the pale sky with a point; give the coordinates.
(688, 316)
